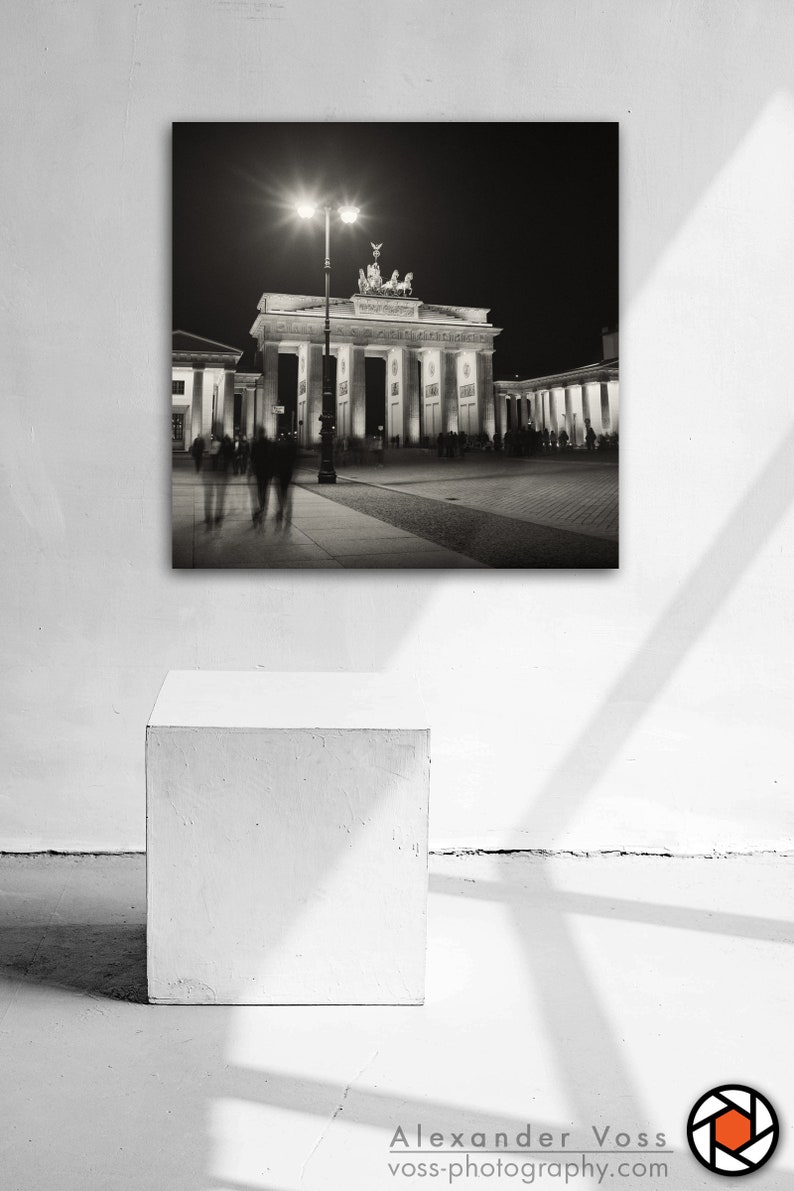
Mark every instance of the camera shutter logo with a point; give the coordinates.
(732, 1130)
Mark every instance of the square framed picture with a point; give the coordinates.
(395, 345)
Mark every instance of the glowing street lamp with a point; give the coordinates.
(348, 214)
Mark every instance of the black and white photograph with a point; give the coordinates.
(395, 345)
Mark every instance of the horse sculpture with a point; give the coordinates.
(372, 282)
(390, 286)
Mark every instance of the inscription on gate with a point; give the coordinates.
(382, 306)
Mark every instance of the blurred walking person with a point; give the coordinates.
(216, 477)
(286, 455)
(197, 451)
(262, 467)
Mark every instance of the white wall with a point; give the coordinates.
(648, 708)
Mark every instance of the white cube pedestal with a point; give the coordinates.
(286, 839)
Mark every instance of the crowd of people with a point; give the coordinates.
(531, 440)
(266, 463)
(454, 445)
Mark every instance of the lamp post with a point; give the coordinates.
(327, 473)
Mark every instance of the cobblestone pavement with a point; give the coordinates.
(579, 494)
(491, 539)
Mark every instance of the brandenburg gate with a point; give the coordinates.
(439, 369)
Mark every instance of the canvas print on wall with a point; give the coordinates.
(395, 345)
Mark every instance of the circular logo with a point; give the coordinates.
(732, 1130)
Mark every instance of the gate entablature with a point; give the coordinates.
(291, 319)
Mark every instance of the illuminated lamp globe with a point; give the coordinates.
(348, 214)
(306, 210)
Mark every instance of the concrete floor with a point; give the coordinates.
(565, 993)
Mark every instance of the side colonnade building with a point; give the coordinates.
(209, 397)
(570, 401)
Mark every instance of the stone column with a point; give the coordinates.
(358, 392)
(228, 403)
(395, 375)
(581, 414)
(449, 392)
(248, 412)
(486, 403)
(342, 394)
(606, 419)
(197, 405)
(411, 396)
(207, 403)
(310, 389)
(259, 402)
(614, 405)
(591, 400)
(501, 417)
(556, 396)
(314, 394)
(264, 412)
(585, 403)
(573, 416)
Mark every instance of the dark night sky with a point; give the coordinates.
(520, 218)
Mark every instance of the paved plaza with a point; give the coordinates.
(579, 493)
(413, 511)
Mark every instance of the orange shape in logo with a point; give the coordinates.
(732, 1130)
